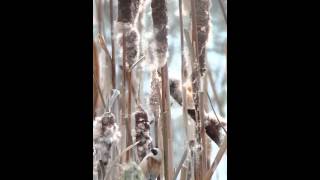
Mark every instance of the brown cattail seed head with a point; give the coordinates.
(203, 28)
(142, 132)
(160, 21)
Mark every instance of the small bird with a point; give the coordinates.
(151, 164)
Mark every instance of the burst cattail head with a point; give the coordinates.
(132, 171)
(142, 130)
(105, 133)
(155, 93)
(214, 128)
(132, 44)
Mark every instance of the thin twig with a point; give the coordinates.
(123, 91)
(102, 43)
(223, 11)
(136, 63)
(214, 90)
(216, 113)
(183, 158)
(218, 158)
(100, 92)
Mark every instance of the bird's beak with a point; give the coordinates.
(154, 152)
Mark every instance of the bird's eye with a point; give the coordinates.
(154, 152)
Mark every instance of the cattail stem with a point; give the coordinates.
(196, 87)
(203, 133)
(100, 15)
(166, 121)
(123, 89)
(129, 138)
(183, 71)
(160, 20)
(96, 72)
(100, 91)
(113, 65)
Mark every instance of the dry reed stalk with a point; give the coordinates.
(194, 174)
(206, 109)
(184, 72)
(126, 77)
(100, 15)
(113, 64)
(196, 88)
(123, 93)
(160, 20)
(127, 15)
(217, 159)
(181, 162)
(99, 91)
(96, 72)
(203, 155)
(129, 140)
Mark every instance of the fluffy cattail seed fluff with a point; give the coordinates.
(105, 133)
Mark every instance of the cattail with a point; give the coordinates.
(105, 133)
(132, 171)
(127, 17)
(142, 130)
(203, 28)
(96, 72)
(155, 96)
(215, 127)
(127, 10)
(160, 20)
(132, 46)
